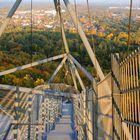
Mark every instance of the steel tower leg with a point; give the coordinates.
(58, 9)
(84, 39)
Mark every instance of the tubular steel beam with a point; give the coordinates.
(36, 91)
(77, 75)
(64, 39)
(32, 64)
(9, 16)
(81, 84)
(58, 69)
(89, 50)
(92, 57)
(58, 9)
(64, 36)
(89, 76)
(73, 78)
(84, 39)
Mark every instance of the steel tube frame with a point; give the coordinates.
(36, 91)
(58, 9)
(84, 39)
(58, 69)
(77, 75)
(91, 54)
(73, 78)
(89, 76)
(32, 64)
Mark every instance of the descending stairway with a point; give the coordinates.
(64, 129)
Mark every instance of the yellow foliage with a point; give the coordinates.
(73, 30)
(89, 32)
(100, 34)
(83, 20)
(39, 82)
(26, 77)
(110, 35)
(123, 35)
(93, 32)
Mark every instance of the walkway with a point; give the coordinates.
(64, 129)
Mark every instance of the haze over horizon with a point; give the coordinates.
(79, 1)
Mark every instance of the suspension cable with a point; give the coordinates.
(129, 25)
(31, 31)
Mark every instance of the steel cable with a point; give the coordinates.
(129, 25)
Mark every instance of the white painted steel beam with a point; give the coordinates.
(77, 75)
(90, 52)
(58, 69)
(32, 64)
(84, 39)
(87, 46)
(36, 91)
(64, 37)
(89, 76)
(74, 78)
(9, 16)
(58, 9)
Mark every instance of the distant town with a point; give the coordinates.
(47, 18)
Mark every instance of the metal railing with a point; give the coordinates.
(85, 114)
(27, 115)
(126, 97)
